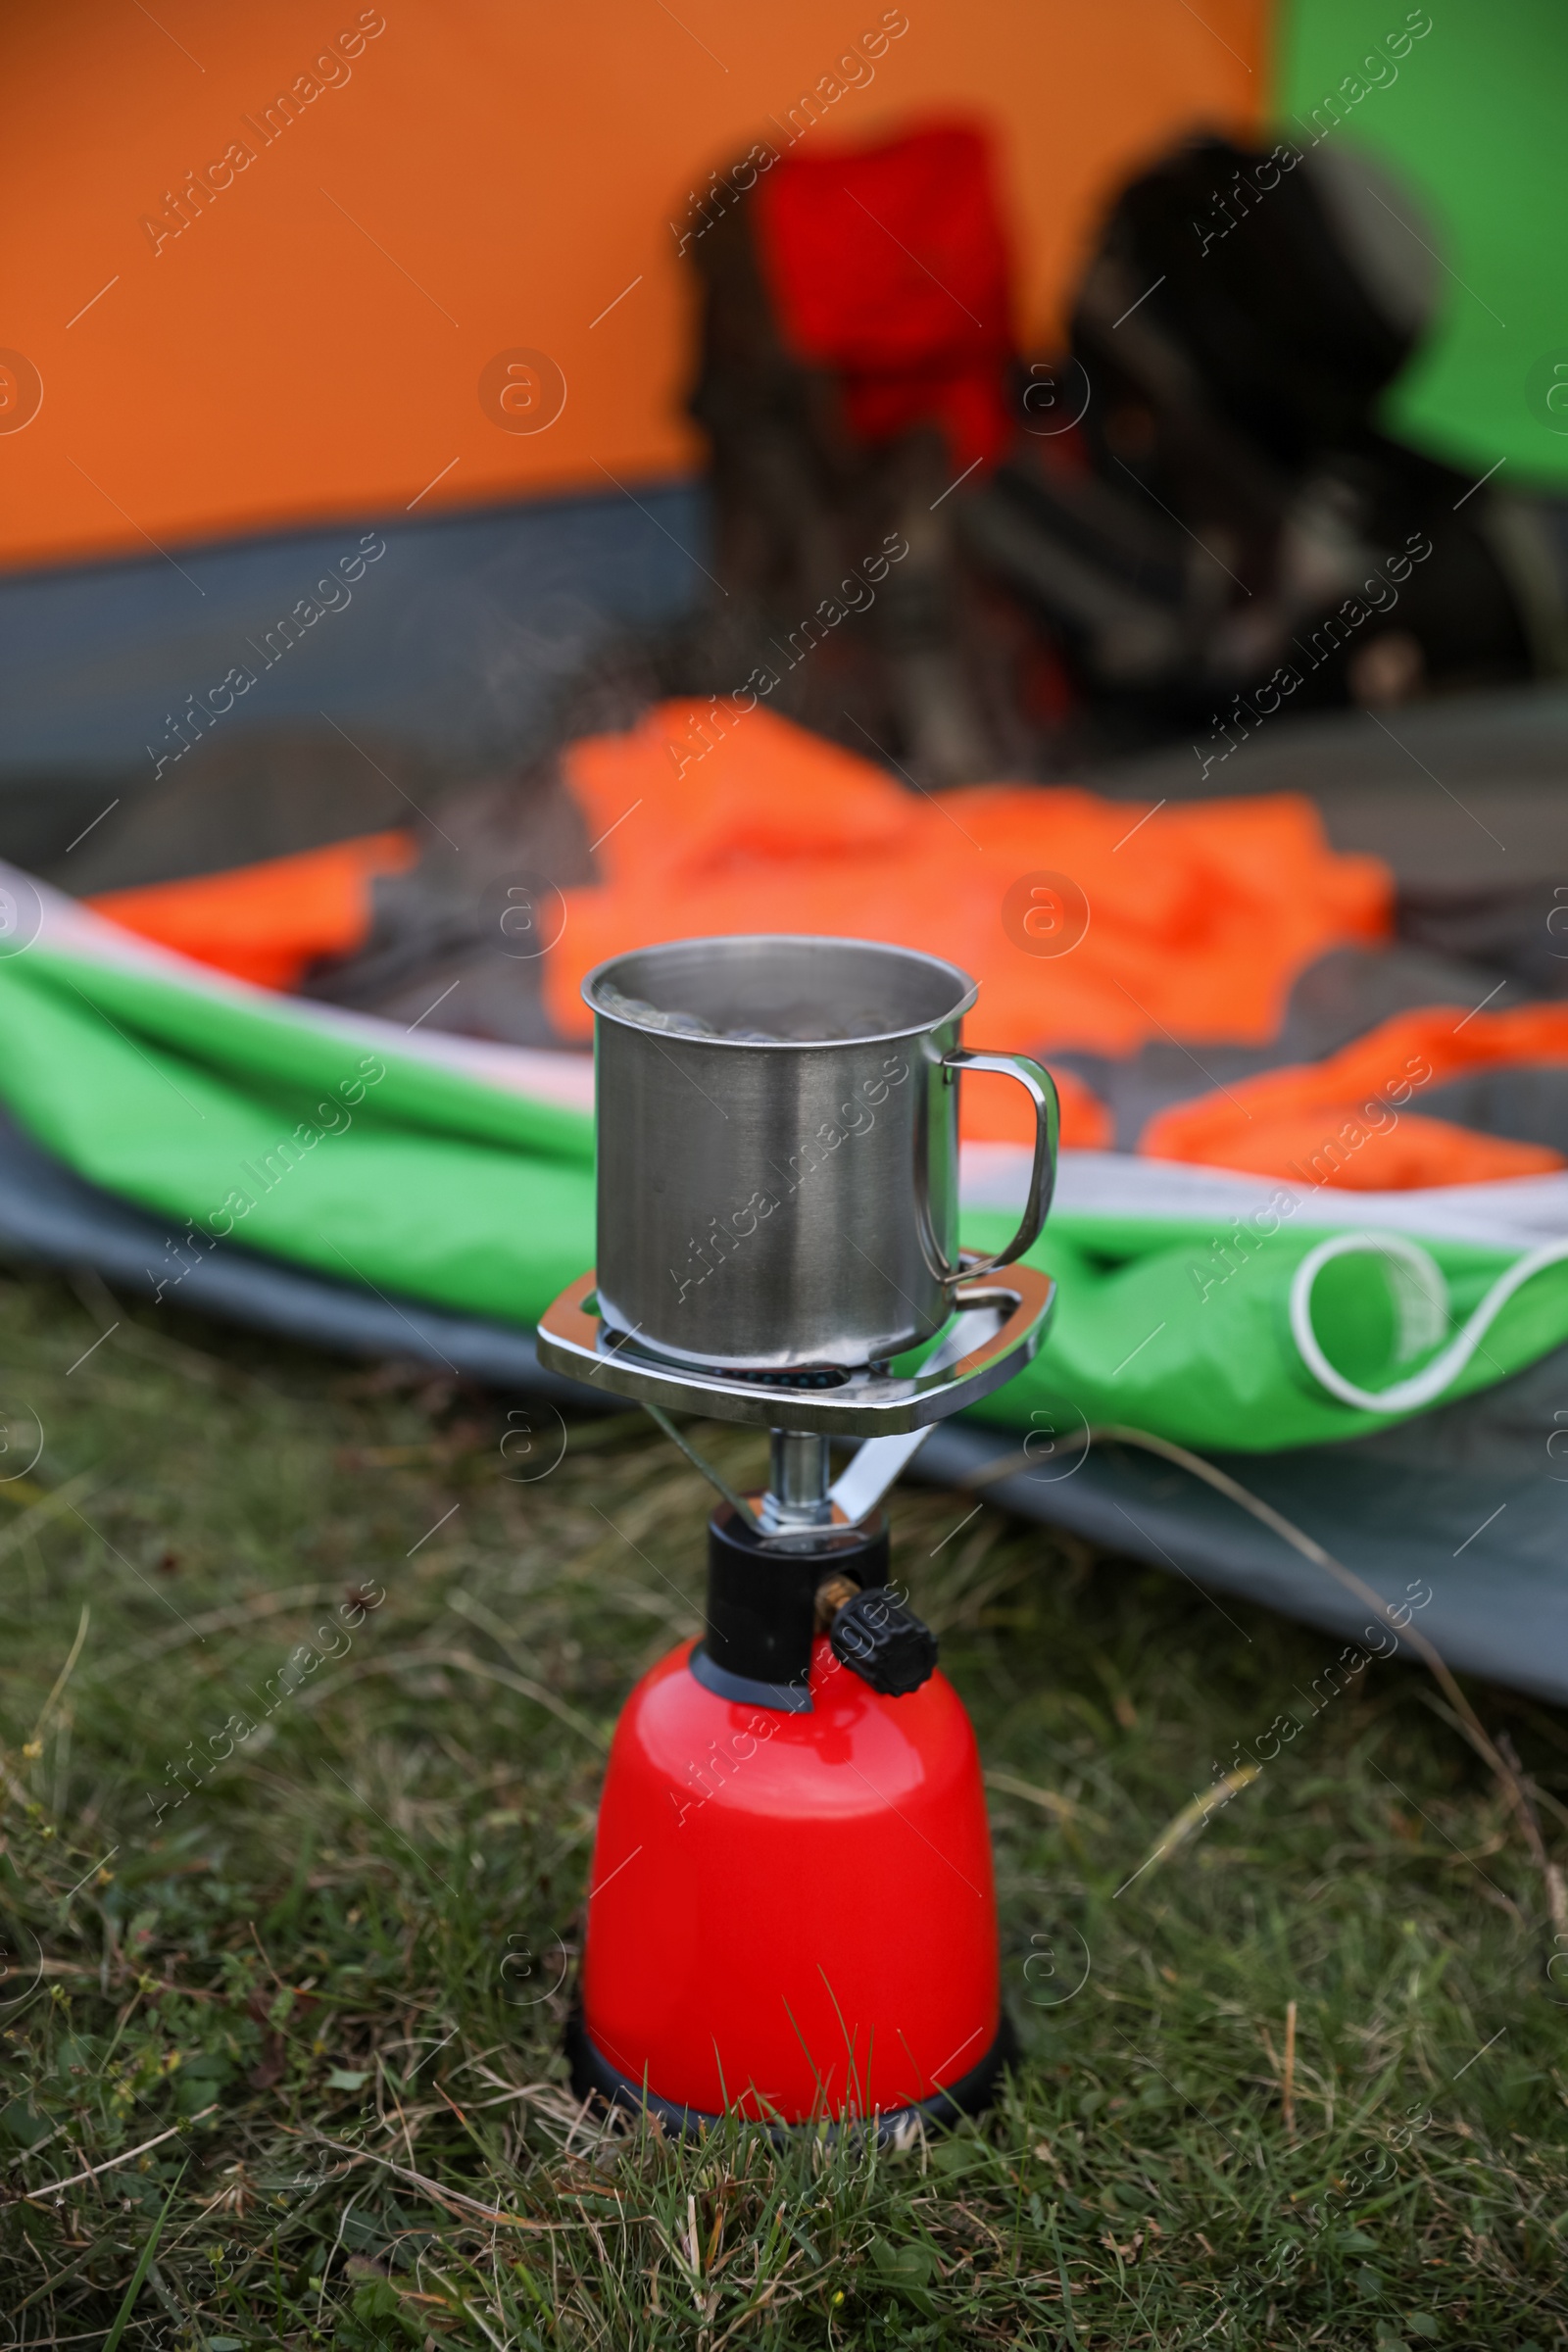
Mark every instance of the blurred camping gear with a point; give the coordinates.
(1189, 521)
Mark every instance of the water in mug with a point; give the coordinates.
(691, 1024)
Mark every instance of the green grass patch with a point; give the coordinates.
(289, 1946)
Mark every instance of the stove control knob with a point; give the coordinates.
(884, 1642)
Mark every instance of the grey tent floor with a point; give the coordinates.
(1474, 1537)
(452, 644)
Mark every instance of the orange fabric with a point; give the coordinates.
(267, 922)
(1345, 1120)
(1200, 917)
(475, 177)
(1322, 1148)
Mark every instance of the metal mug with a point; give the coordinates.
(778, 1149)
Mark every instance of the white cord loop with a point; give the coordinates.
(1420, 1295)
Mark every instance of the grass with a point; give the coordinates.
(304, 2019)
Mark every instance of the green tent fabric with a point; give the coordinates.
(1471, 117)
(255, 1120)
(1138, 1338)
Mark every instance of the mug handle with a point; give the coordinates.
(1038, 1083)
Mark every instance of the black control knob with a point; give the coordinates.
(884, 1642)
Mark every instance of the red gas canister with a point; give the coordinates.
(791, 1914)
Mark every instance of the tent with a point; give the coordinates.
(395, 452)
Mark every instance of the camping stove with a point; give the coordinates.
(791, 1910)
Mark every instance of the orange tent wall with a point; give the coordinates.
(490, 176)
(487, 177)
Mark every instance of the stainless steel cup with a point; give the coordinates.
(778, 1149)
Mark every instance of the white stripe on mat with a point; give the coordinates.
(1518, 1214)
(563, 1079)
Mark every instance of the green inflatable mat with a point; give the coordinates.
(255, 1123)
